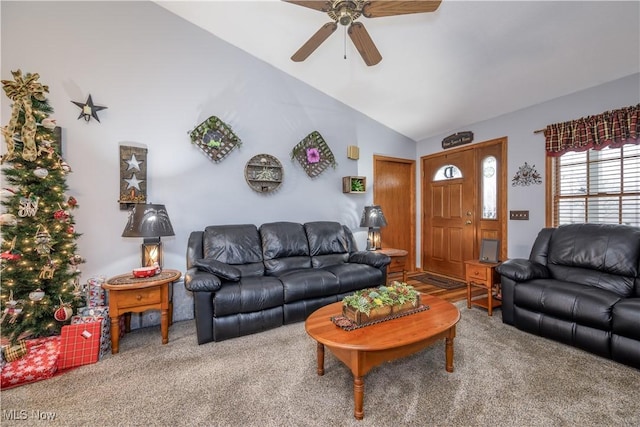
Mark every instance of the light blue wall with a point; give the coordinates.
(525, 146)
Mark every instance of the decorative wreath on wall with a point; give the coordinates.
(313, 154)
(215, 138)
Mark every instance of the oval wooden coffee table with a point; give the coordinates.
(364, 348)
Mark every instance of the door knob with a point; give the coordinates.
(469, 213)
(468, 222)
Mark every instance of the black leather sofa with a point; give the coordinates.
(580, 286)
(247, 279)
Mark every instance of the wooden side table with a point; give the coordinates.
(483, 275)
(128, 294)
(398, 261)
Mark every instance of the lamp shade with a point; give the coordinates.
(372, 216)
(148, 221)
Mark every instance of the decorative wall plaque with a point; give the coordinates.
(457, 139)
(264, 173)
(133, 175)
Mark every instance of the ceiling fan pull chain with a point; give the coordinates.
(345, 42)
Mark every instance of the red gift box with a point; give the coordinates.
(79, 345)
(38, 364)
(105, 331)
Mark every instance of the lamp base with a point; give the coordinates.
(151, 252)
(373, 240)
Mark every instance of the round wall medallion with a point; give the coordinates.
(264, 173)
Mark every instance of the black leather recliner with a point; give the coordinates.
(247, 279)
(580, 286)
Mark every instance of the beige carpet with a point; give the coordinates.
(503, 377)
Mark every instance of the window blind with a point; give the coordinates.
(597, 186)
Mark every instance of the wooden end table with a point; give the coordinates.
(398, 261)
(483, 275)
(128, 294)
(369, 346)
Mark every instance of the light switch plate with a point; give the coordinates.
(519, 215)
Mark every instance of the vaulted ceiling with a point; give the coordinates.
(466, 62)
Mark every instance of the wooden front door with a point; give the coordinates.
(448, 209)
(457, 212)
(394, 190)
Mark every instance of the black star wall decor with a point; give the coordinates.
(88, 109)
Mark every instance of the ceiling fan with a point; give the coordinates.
(346, 12)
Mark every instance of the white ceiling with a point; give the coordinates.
(466, 62)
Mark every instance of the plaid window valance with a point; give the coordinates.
(609, 129)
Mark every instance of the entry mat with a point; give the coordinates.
(439, 281)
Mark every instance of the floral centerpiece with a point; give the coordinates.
(372, 304)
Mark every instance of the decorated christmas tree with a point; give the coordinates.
(39, 288)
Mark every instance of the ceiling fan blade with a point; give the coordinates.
(316, 40)
(364, 44)
(376, 9)
(323, 6)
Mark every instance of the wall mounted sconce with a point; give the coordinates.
(353, 152)
(150, 222)
(89, 109)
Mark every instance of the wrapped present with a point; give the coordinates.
(105, 331)
(39, 363)
(95, 293)
(102, 311)
(11, 353)
(79, 345)
(97, 311)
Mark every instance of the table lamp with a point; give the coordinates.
(373, 218)
(150, 222)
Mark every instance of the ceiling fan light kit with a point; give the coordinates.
(346, 12)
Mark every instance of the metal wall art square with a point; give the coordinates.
(215, 138)
(313, 154)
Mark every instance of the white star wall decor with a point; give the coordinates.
(133, 163)
(133, 182)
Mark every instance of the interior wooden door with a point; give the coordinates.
(458, 211)
(394, 190)
(448, 212)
